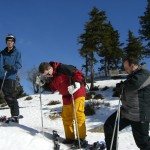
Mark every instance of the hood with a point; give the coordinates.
(55, 66)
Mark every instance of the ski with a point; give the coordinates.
(5, 119)
(85, 146)
(56, 140)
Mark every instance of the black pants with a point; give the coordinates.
(140, 132)
(9, 90)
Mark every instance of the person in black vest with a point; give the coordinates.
(10, 62)
(135, 109)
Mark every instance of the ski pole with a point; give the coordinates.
(3, 81)
(75, 118)
(41, 112)
(118, 127)
(117, 121)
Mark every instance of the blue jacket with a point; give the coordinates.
(12, 58)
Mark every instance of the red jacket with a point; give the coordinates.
(61, 82)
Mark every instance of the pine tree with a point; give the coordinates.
(85, 66)
(145, 27)
(134, 47)
(19, 89)
(110, 50)
(91, 39)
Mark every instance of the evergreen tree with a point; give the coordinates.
(145, 27)
(110, 50)
(134, 47)
(19, 89)
(86, 65)
(90, 39)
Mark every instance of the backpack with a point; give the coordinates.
(69, 70)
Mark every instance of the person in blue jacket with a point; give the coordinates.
(10, 62)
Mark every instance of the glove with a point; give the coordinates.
(119, 89)
(39, 81)
(72, 89)
(8, 67)
(120, 85)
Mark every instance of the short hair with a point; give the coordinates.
(131, 60)
(43, 66)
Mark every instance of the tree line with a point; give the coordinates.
(101, 39)
(100, 43)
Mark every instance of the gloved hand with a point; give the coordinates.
(72, 89)
(39, 81)
(120, 85)
(8, 67)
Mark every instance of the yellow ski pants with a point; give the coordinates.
(68, 117)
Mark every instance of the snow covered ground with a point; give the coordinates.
(27, 135)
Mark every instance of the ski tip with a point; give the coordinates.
(54, 132)
(20, 116)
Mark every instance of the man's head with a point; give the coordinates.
(10, 40)
(130, 64)
(46, 69)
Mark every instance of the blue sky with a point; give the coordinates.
(47, 30)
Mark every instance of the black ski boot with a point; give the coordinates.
(11, 119)
(14, 119)
(83, 144)
(68, 141)
(102, 145)
(98, 146)
(56, 140)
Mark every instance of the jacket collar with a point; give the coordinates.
(6, 50)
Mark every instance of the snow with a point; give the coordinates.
(27, 135)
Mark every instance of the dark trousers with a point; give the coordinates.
(9, 91)
(140, 131)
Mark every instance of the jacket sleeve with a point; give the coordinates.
(18, 62)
